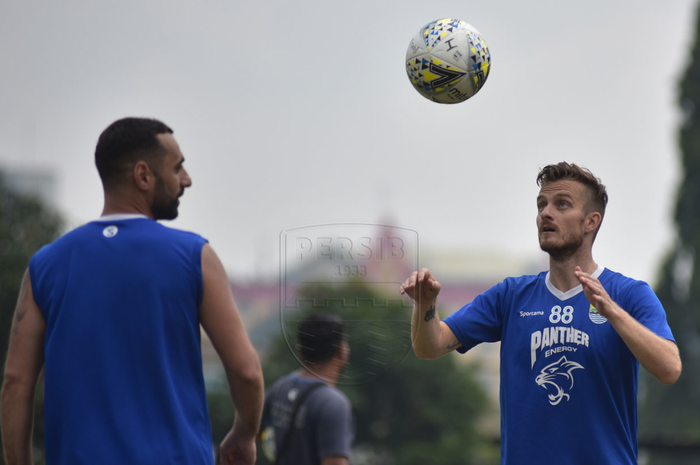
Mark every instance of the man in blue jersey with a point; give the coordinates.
(572, 338)
(112, 310)
(306, 420)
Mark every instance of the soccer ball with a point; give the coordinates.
(448, 61)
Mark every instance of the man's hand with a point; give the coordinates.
(596, 294)
(431, 337)
(422, 287)
(657, 355)
(237, 449)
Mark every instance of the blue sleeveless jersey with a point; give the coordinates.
(568, 381)
(123, 373)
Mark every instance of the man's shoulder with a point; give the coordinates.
(287, 387)
(329, 404)
(527, 278)
(613, 278)
(515, 284)
(75, 236)
(157, 229)
(332, 395)
(609, 274)
(282, 383)
(92, 236)
(622, 288)
(144, 228)
(178, 232)
(323, 394)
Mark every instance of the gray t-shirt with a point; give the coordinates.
(323, 426)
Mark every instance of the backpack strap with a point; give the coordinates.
(300, 399)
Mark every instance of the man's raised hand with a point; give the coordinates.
(422, 287)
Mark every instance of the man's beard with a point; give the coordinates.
(569, 245)
(163, 207)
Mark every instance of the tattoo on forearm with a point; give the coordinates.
(430, 314)
(453, 345)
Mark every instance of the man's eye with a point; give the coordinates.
(563, 204)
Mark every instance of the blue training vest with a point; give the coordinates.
(123, 374)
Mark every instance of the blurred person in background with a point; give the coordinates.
(113, 310)
(572, 338)
(306, 420)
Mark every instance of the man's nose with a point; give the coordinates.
(546, 212)
(186, 179)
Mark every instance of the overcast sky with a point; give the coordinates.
(300, 113)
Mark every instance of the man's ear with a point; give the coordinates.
(592, 222)
(344, 351)
(144, 177)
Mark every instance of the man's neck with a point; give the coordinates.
(115, 205)
(561, 271)
(329, 374)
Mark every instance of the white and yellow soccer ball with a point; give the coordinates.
(448, 61)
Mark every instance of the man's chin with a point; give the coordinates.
(546, 246)
(165, 214)
(559, 251)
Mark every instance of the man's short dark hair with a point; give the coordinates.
(569, 171)
(126, 142)
(319, 337)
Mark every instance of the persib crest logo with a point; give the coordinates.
(352, 270)
(596, 317)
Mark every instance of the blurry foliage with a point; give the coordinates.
(416, 413)
(25, 226)
(672, 413)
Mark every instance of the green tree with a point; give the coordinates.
(673, 412)
(26, 224)
(415, 413)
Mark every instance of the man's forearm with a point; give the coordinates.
(17, 409)
(425, 330)
(657, 355)
(248, 395)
